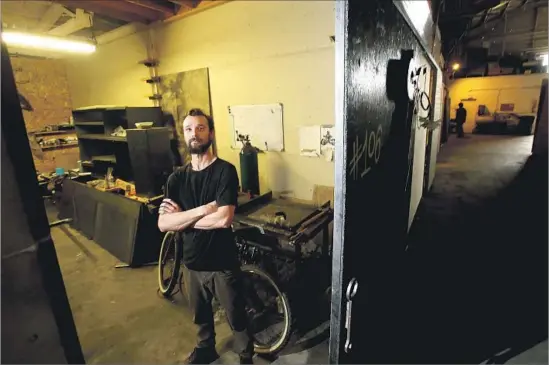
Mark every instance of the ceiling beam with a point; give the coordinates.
(187, 4)
(120, 32)
(113, 9)
(474, 12)
(154, 5)
(50, 17)
(131, 8)
(81, 21)
(203, 5)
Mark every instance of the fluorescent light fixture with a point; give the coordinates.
(419, 12)
(25, 40)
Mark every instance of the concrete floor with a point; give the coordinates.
(476, 263)
(476, 283)
(477, 255)
(121, 319)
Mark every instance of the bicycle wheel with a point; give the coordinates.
(268, 309)
(169, 264)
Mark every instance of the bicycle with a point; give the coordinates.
(267, 305)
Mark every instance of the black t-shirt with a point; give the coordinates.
(461, 115)
(206, 250)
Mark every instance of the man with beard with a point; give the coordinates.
(200, 201)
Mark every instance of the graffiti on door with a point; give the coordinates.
(366, 154)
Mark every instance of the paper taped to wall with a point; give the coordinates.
(327, 142)
(309, 141)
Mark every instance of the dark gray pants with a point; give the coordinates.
(459, 130)
(202, 286)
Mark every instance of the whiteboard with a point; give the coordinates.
(262, 123)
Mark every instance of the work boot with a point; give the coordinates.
(246, 359)
(202, 356)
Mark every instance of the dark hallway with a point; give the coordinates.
(476, 263)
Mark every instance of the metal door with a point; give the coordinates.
(38, 272)
(376, 54)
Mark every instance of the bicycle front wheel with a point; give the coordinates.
(169, 264)
(268, 309)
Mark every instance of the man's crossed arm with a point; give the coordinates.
(208, 216)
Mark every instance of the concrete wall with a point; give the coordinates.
(257, 52)
(43, 82)
(492, 91)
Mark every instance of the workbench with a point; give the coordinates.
(128, 228)
(283, 226)
(290, 250)
(124, 227)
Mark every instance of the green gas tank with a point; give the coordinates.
(249, 169)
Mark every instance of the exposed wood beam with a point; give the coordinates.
(154, 5)
(131, 8)
(114, 9)
(120, 32)
(50, 17)
(203, 5)
(81, 21)
(187, 4)
(100, 7)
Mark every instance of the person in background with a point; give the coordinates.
(200, 201)
(461, 116)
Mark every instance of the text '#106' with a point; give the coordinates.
(365, 155)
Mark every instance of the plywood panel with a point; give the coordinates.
(182, 92)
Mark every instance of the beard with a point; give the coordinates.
(198, 148)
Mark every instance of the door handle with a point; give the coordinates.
(352, 289)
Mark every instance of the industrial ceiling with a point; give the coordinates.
(501, 28)
(92, 18)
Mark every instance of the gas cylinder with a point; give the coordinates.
(249, 170)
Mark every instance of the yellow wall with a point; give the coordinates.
(261, 52)
(111, 75)
(257, 52)
(522, 90)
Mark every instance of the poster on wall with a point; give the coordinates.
(317, 141)
(182, 92)
(327, 142)
(309, 141)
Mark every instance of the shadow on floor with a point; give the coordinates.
(477, 257)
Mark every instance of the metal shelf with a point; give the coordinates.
(102, 137)
(59, 146)
(48, 133)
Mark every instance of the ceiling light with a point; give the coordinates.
(25, 40)
(455, 66)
